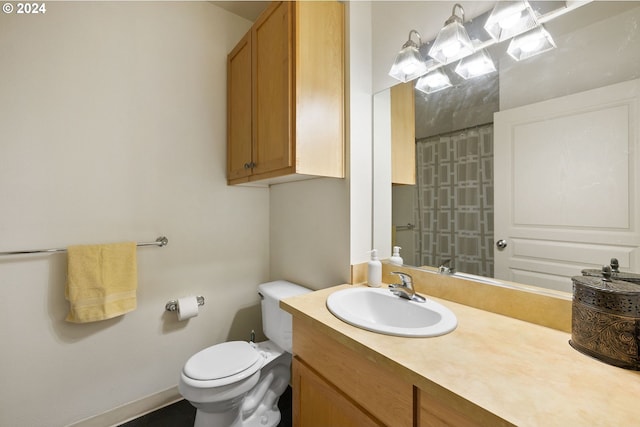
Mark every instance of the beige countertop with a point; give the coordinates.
(522, 372)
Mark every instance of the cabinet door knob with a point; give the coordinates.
(249, 165)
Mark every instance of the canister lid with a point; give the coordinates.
(616, 275)
(613, 286)
(612, 271)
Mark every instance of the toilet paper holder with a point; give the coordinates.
(173, 304)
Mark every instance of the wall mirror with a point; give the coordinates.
(541, 154)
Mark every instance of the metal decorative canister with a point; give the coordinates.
(605, 322)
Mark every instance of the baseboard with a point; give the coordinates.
(132, 410)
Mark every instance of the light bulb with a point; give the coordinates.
(509, 21)
(451, 49)
(531, 44)
(409, 68)
(436, 80)
(476, 67)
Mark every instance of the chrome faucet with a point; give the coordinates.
(405, 289)
(445, 267)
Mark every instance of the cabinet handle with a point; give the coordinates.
(249, 165)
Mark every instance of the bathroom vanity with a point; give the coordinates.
(492, 370)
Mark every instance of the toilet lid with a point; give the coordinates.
(223, 360)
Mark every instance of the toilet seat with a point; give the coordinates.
(223, 364)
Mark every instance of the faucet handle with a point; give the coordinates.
(446, 267)
(405, 290)
(407, 280)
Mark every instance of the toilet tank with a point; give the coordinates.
(277, 323)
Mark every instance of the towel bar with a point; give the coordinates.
(409, 226)
(160, 241)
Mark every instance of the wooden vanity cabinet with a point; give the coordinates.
(334, 385)
(285, 95)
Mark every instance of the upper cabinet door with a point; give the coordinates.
(272, 94)
(239, 103)
(319, 88)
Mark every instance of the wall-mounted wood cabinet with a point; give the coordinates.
(403, 134)
(285, 95)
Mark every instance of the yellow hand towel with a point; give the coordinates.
(101, 281)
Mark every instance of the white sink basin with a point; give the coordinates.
(378, 310)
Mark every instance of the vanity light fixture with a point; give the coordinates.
(530, 44)
(433, 82)
(515, 21)
(476, 65)
(409, 64)
(452, 42)
(509, 18)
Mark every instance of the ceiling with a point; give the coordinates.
(247, 9)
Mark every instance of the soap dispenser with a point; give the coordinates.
(374, 272)
(396, 259)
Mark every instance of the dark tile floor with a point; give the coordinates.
(182, 414)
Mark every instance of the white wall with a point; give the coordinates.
(112, 128)
(310, 232)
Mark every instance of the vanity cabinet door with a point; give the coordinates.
(318, 404)
(441, 408)
(435, 414)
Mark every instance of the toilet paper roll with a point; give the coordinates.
(187, 307)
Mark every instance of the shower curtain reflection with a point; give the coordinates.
(453, 201)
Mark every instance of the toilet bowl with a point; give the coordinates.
(238, 383)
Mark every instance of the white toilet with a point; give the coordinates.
(238, 383)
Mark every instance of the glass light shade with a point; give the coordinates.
(478, 64)
(452, 43)
(510, 18)
(433, 82)
(409, 64)
(530, 44)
